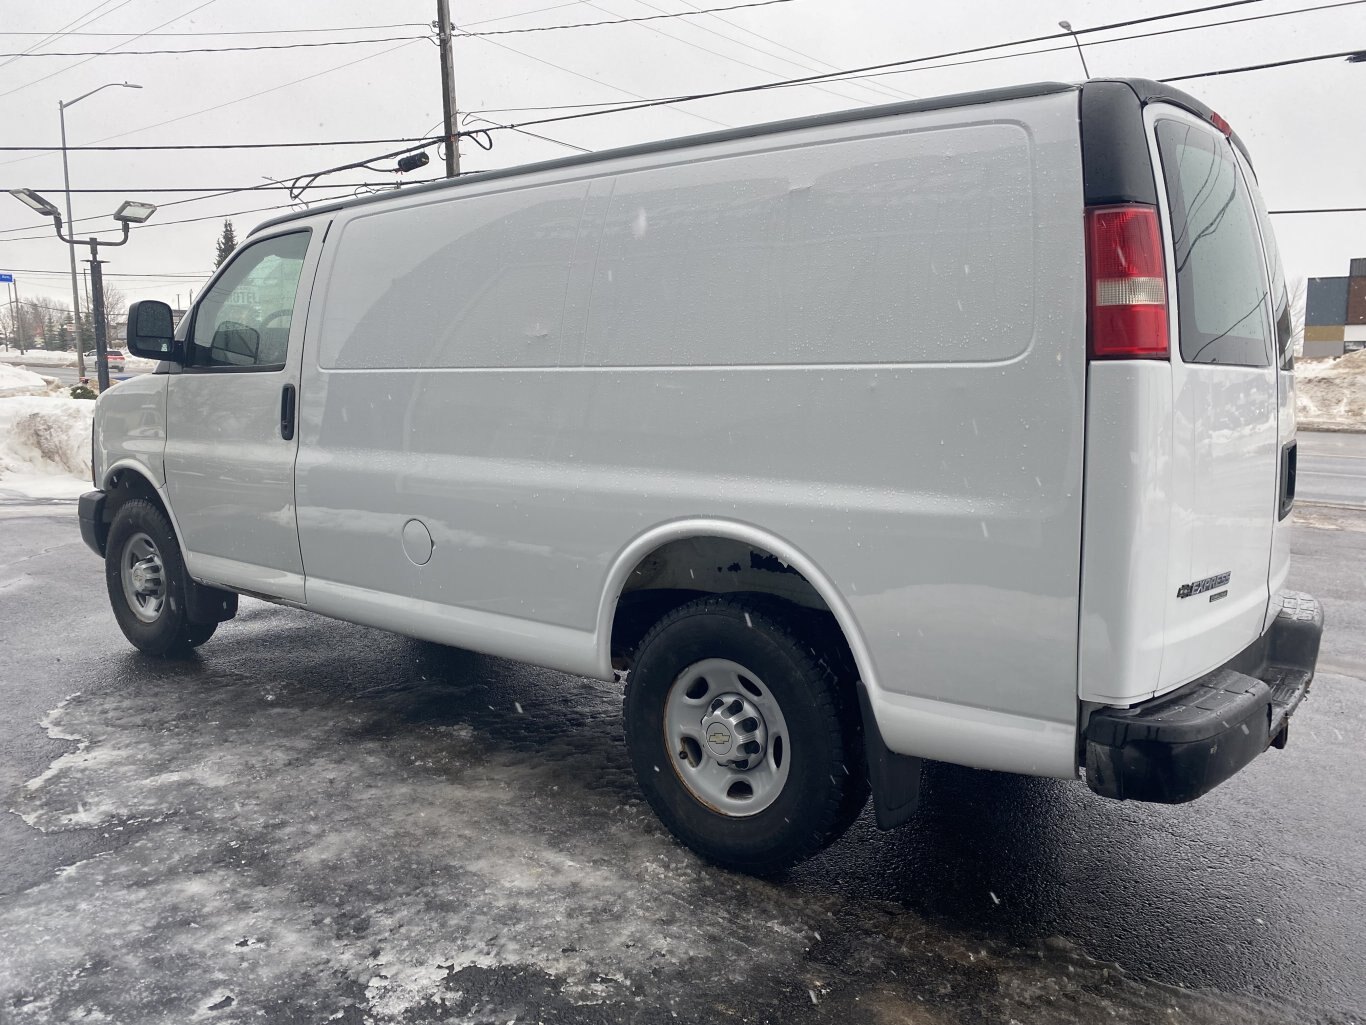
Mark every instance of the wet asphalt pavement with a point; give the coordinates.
(311, 821)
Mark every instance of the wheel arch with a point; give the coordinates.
(128, 479)
(631, 557)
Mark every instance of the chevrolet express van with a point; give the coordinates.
(957, 429)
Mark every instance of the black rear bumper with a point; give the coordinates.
(1181, 745)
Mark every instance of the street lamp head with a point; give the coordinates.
(133, 212)
(1066, 26)
(35, 202)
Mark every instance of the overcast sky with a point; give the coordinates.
(1305, 125)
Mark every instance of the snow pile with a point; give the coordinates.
(18, 381)
(1332, 394)
(39, 357)
(45, 446)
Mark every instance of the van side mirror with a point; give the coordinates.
(151, 330)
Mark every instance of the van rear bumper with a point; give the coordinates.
(1181, 745)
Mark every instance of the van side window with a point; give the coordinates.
(1221, 280)
(244, 319)
(1280, 291)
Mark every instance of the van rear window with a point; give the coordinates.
(1220, 275)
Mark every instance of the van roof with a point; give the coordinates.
(1146, 90)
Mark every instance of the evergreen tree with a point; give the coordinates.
(51, 339)
(227, 242)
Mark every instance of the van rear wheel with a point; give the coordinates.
(742, 741)
(148, 587)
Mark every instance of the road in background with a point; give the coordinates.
(68, 375)
(1332, 468)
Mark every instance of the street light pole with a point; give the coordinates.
(97, 299)
(71, 249)
(129, 212)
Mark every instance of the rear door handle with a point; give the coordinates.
(287, 396)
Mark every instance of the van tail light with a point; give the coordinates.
(1126, 283)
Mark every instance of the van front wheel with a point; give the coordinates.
(740, 737)
(147, 584)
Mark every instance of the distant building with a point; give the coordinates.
(1335, 313)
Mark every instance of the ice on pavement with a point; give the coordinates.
(319, 847)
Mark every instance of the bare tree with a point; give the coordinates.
(115, 310)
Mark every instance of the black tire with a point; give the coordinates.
(168, 631)
(826, 784)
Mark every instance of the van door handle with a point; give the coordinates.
(287, 412)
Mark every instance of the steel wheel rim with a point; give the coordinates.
(143, 576)
(729, 778)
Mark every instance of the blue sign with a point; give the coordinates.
(6, 279)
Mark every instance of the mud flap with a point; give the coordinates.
(893, 778)
(209, 604)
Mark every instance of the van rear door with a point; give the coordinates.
(1224, 359)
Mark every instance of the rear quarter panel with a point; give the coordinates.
(866, 339)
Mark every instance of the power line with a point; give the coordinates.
(167, 224)
(78, 64)
(1272, 64)
(1117, 39)
(251, 96)
(229, 189)
(595, 81)
(791, 82)
(218, 145)
(1320, 210)
(895, 67)
(877, 88)
(238, 32)
(168, 276)
(617, 20)
(85, 19)
(32, 51)
(718, 53)
(217, 49)
(853, 74)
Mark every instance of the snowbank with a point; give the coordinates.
(18, 381)
(1332, 394)
(45, 446)
(44, 358)
(39, 358)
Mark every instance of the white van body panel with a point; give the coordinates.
(1128, 526)
(229, 473)
(866, 340)
(130, 429)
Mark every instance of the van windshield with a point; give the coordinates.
(1221, 281)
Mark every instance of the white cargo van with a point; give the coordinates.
(960, 429)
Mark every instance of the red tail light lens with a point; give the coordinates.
(1126, 283)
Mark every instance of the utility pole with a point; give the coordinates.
(14, 310)
(448, 107)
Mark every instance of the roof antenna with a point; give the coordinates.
(1066, 26)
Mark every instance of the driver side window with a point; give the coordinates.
(244, 320)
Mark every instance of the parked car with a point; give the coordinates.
(114, 356)
(956, 429)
